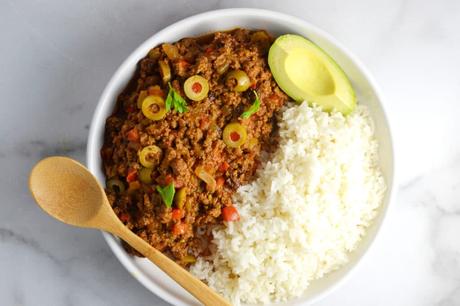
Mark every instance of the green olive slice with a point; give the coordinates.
(153, 107)
(242, 80)
(165, 71)
(140, 98)
(180, 196)
(145, 175)
(234, 135)
(150, 156)
(115, 185)
(196, 88)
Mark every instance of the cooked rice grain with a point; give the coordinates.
(308, 208)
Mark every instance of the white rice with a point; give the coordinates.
(308, 208)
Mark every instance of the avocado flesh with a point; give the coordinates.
(306, 73)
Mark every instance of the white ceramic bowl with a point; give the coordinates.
(148, 274)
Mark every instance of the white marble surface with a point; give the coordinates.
(56, 57)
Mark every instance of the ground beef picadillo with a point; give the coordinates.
(190, 139)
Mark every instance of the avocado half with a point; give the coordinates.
(306, 73)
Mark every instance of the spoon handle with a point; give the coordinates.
(184, 278)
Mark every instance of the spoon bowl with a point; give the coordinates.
(67, 191)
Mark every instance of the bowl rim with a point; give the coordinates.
(91, 149)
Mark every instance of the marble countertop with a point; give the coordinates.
(57, 56)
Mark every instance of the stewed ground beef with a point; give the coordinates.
(190, 139)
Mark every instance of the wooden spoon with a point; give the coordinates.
(67, 191)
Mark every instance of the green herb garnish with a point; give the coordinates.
(167, 194)
(175, 100)
(253, 108)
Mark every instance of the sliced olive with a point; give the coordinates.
(189, 259)
(154, 90)
(188, 206)
(242, 80)
(165, 71)
(171, 51)
(196, 88)
(154, 54)
(115, 185)
(179, 197)
(140, 98)
(150, 156)
(145, 175)
(234, 135)
(223, 68)
(153, 107)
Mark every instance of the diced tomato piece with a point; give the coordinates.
(224, 166)
(124, 217)
(133, 135)
(220, 181)
(253, 85)
(179, 228)
(176, 214)
(230, 213)
(208, 50)
(132, 175)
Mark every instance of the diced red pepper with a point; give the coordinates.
(178, 183)
(133, 135)
(168, 179)
(253, 85)
(224, 166)
(132, 175)
(220, 181)
(208, 50)
(176, 214)
(183, 64)
(179, 228)
(124, 217)
(230, 213)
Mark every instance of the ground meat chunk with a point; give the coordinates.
(189, 140)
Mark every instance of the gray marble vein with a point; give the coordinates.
(57, 56)
(7, 236)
